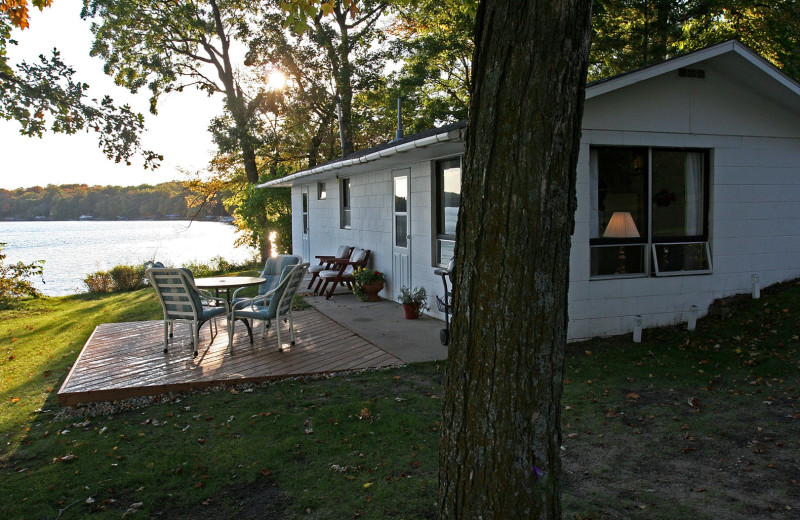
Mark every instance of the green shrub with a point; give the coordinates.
(132, 277)
(119, 278)
(13, 282)
(127, 277)
(99, 282)
(219, 265)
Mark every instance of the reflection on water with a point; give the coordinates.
(72, 250)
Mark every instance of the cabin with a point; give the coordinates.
(688, 187)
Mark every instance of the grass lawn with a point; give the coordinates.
(703, 424)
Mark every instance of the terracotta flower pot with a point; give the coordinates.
(371, 291)
(411, 310)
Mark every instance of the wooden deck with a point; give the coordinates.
(123, 360)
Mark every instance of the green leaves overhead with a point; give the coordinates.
(43, 97)
(629, 34)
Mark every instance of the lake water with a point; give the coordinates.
(71, 250)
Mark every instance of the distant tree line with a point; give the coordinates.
(71, 201)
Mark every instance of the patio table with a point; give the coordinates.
(227, 283)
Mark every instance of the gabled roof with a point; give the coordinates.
(736, 59)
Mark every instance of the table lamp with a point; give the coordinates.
(621, 225)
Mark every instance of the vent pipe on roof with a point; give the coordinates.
(339, 118)
(399, 135)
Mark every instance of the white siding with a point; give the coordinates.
(754, 217)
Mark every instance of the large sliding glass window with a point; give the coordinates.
(448, 198)
(649, 211)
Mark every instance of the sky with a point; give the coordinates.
(179, 132)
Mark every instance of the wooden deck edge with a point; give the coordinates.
(117, 394)
(379, 359)
(77, 360)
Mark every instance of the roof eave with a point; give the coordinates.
(289, 180)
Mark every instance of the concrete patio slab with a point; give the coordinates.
(383, 324)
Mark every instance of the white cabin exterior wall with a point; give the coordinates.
(754, 215)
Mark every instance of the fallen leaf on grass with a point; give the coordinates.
(632, 395)
(65, 458)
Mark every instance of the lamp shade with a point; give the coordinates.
(621, 225)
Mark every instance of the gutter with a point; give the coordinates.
(380, 154)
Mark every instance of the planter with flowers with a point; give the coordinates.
(368, 283)
(413, 301)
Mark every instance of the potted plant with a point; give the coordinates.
(368, 283)
(413, 301)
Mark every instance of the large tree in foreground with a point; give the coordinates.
(499, 451)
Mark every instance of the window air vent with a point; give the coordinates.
(692, 73)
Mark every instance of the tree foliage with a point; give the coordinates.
(14, 283)
(333, 58)
(44, 96)
(435, 42)
(167, 46)
(17, 10)
(629, 34)
(258, 213)
(68, 202)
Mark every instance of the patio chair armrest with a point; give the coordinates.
(208, 296)
(237, 291)
(244, 302)
(343, 261)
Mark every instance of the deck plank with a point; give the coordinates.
(122, 360)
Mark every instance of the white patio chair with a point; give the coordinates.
(181, 301)
(274, 305)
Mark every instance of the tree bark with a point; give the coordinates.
(499, 450)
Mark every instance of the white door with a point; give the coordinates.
(401, 249)
(306, 241)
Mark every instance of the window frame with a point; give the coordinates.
(345, 203)
(438, 200)
(648, 240)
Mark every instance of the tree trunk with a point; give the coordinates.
(499, 450)
(248, 157)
